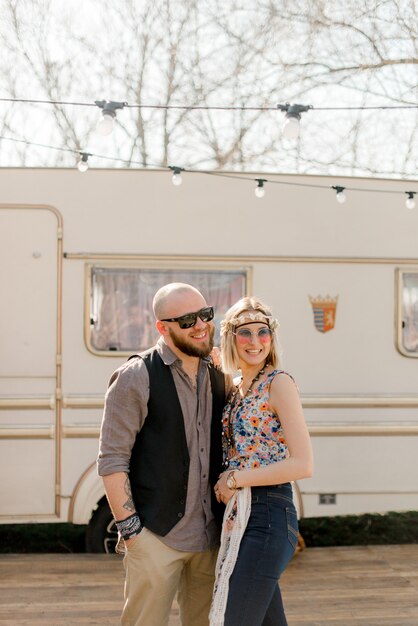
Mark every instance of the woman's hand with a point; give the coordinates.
(216, 356)
(222, 493)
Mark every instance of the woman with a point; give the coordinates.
(266, 445)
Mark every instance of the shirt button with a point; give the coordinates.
(204, 475)
(201, 449)
(204, 501)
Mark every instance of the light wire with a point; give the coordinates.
(209, 107)
(171, 168)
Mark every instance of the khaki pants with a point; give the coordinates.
(155, 572)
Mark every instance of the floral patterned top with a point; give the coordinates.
(252, 432)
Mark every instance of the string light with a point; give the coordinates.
(291, 124)
(176, 179)
(410, 201)
(340, 195)
(260, 189)
(83, 165)
(106, 122)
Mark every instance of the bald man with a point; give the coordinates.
(160, 455)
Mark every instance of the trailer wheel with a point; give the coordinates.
(101, 534)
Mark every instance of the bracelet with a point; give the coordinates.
(129, 527)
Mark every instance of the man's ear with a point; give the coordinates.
(161, 327)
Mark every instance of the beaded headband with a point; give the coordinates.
(248, 318)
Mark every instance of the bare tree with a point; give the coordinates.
(246, 54)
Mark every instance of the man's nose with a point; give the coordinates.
(200, 323)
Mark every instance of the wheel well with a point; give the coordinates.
(87, 495)
(101, 532)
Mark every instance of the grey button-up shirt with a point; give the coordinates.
(124, 415)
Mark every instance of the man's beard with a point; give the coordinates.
(186, 347)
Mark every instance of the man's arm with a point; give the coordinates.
(119, 495)
(124, 415)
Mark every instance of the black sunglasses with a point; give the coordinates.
(189, 319)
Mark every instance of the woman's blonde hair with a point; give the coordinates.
(246, 310)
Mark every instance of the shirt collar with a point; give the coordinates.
(166, 353)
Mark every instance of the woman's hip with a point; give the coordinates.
(273, 518)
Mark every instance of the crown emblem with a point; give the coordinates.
(324, 312)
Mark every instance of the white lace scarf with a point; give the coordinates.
(234, 524)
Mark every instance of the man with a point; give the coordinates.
(160, 455)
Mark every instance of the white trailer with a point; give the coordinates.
(82, 255)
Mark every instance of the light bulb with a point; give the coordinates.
(410, 202)
(260, 191)
(105, 124)
(176, 179)
(82, 165)
(341, 197)
(291, 127)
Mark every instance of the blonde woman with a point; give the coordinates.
(266, 446)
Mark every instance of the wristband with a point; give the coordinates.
(129, 527)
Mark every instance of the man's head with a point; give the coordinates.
(192, 335)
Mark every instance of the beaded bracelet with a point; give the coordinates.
(129, 527)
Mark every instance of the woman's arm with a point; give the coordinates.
(284, 400)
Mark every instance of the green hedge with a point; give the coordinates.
(360, 530)
(21, 538)
(347, 530)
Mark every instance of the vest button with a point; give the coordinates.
(179, 514)
(181, 501)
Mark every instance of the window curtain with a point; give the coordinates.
(121, 307)
(410, 312)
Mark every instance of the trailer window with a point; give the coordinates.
(408, 318)
(121, 317)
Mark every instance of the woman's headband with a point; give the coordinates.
(248, 318)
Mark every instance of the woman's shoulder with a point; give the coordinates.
(281, 381)
(279, 373)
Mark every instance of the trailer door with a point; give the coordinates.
(30, 262)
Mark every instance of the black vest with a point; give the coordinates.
(159, 465)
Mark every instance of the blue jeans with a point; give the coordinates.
(267, 546)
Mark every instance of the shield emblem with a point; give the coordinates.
(324, 312)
